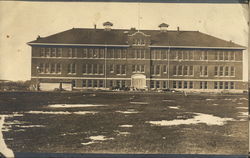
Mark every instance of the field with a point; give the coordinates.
(121, 122)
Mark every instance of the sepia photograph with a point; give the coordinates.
(123, 78)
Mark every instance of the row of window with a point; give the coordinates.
(93, 69)
(183, 70)
(156, 84)
(136, 54)
(50, 68)
(224, 71)
(178, 70)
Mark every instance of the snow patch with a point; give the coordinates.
(239, 103)
(29, 126)
(243, 99)
(138, 102)
(246, 108)
(73, 105)
(243, 114)
(199, 118)
(129, 111)
(123, 133)
(168, 100)
(4, 149)
(97, 139)
(127, 126)
(210, 99)
(62, 112)
(174, 107)
(215, 104)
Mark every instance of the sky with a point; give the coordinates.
(22, 22)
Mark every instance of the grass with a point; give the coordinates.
(65, 133)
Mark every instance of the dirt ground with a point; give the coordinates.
(122, 122)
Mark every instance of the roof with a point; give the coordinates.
(120, 37)
(107, 23)
(163, 25)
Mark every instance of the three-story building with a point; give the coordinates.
(139, 59)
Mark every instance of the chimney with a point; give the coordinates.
(107, 26)
(38, 37)
(95, 26)
(178, 28)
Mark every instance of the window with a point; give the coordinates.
(185, 70)
(59, 52)
(221, 71)
(165, 84)
(89, 83)
(174, 84)
(121, 69)
(191, 84)
(47, 52)
(42, 52)
(142, 68)
(100, 83)
(226, 71)
(119, 53)
(101, 67)
(191, 55)
(226, 56)
(112, 68)
(124, 52)
(203, 71)
(226, 85)
(84, 83)
(111, 83)
(164, 54)
(157, 84)
(46, 68)
(191, 70)
(58, 68)
(215, 85)
(94, 68)
(96, 53)
(133, 68)
(204, 55)
(53, 68)
(216, 71)
(185, 85)
(203, 85)
(90, 68)
(53, 52)
(90, 53)
(179, 70)
(232, 56)
(165, 69)
(85, 53)
(221, 57)
(175, 70)
(185, 55)
(221, 85)
(95, 83)
(179, 84)
(157, 70)
(41, 68)
(101, 53)
(73, 83)
(84, 68)
(180, 55)
(232, 71)
(72, 68)
(152, 84)
(72, 52)
(231, 85)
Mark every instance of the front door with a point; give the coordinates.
(138, 81)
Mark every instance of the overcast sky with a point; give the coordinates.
(21, 22)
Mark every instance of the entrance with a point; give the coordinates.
(138, 81)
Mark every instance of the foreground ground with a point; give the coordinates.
(125, 123)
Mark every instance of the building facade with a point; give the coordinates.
(138, 59)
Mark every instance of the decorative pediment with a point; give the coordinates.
(139, 39)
